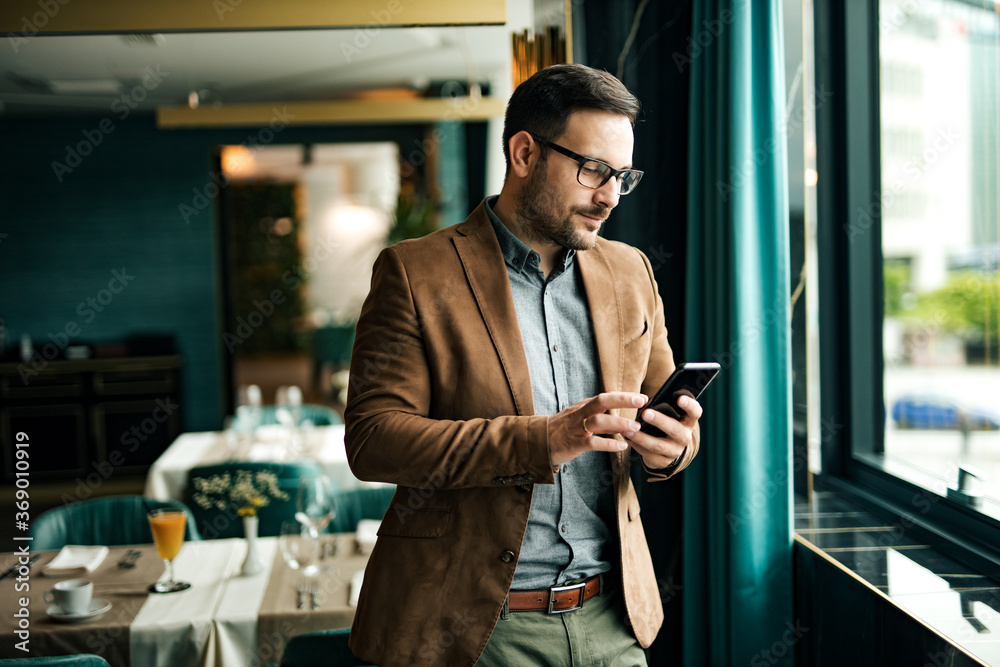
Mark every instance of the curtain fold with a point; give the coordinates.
(737, 500)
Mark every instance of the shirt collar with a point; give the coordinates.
(516, 253)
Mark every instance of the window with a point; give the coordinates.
(908, 157)
(941, 378)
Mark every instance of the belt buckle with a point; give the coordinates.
(560, 589)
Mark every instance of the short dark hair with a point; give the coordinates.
(543, 103)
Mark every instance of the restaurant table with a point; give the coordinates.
(167, 477)
(225, 619)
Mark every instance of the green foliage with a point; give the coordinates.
(265, 247)
(966, 304)
(896, 282)
(415, 216)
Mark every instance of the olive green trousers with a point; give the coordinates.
(596, 635)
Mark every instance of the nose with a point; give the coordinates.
(608, 194)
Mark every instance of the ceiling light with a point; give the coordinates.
(144, 39)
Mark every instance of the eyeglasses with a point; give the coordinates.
(595, 173)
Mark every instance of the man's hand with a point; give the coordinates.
(574, 430)
(661, 452)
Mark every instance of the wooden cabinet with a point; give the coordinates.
(96, 416)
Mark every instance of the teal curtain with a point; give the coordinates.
(737, 543)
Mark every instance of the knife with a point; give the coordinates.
(12, 570)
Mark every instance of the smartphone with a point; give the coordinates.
(690, 379)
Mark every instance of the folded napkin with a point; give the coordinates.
(75, 559)
(356, 581)
(367, 533)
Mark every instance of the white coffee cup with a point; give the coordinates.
(71, 596)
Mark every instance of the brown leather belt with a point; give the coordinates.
(555, 600)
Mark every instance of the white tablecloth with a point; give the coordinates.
(167, 477)
(235, 624)
(178, 628)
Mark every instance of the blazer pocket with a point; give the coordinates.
(401, 521)
(638, 343)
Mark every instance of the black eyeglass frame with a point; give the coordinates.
(582, 159)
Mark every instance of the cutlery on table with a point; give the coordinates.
(128, 560)
(300, 592)
(13, 569)
(313, 590)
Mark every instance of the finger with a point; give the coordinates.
(600, 444)
(613, 400)
(692, 410)
(611, 424)
(653, 449)
(673, 429)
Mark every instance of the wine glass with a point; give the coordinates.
(298, 547)
(250, 408)
(288, 412)
(314, 505)
(167, 525)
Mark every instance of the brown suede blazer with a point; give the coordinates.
(440, 404)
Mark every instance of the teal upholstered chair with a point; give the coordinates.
(356, 504)
(82, 660)
(326, 647)
(109, 520)
(214, 523)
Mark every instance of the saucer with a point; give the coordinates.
(98, 607)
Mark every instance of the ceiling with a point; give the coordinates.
(105, 73)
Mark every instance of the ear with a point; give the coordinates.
(523, 154)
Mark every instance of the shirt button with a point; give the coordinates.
(507, 556)
(563, 528)
(555, 348)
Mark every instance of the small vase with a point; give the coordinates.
(253, 563)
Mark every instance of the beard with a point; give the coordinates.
(546, 219)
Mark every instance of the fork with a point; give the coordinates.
(300, 591)
(312, 588)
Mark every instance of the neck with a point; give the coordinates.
(548, 252)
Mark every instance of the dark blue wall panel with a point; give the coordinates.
(119, 210)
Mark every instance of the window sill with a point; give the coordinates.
(955, 602)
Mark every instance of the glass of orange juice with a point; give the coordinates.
(168, 526)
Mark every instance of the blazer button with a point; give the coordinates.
(507, 556)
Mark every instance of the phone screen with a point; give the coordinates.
(690, 379)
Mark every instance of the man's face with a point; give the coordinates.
(559, 208)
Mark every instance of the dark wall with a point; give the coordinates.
(118, 208)
(654, 219)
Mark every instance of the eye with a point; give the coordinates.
(594, 169)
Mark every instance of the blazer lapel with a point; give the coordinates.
(486, 271)
(605, 313)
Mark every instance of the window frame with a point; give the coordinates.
(850, 292)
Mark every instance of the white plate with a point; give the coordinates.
(98, 607)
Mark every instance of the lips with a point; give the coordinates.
(594, 221)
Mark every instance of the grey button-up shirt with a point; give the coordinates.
(568, 526)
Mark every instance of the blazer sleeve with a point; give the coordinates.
(389, 436)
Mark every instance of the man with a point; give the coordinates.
(490, 359)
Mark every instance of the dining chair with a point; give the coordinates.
(356, 504)
(81, 660)
(325, 647)
(108, 521)
(214, 523)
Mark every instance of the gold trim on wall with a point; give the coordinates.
(29, 17)
(534, 52)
